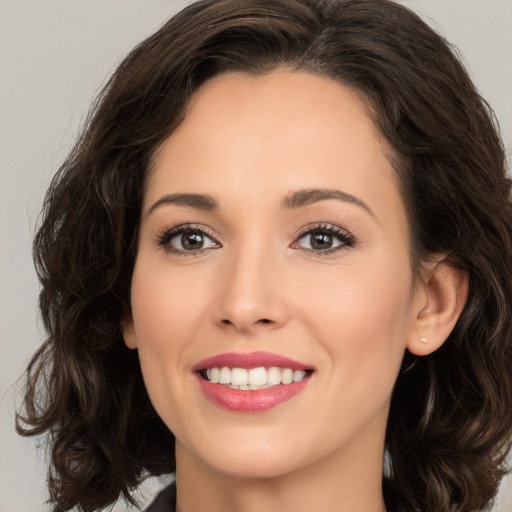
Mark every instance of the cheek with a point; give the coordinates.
(165, 307)
(165, 314)
(362, 318)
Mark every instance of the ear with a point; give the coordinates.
(439, 303)
(128, 330)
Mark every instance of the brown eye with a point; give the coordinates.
(185, 239)
(321, 241)
(324, 239)
(191, 241)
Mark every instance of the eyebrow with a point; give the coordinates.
(309, 196)
(198, 201)
(293, 200)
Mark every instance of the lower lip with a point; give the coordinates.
(260, 400)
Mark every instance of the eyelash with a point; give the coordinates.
(345, 238)
(165, 237)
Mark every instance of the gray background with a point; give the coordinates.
(54, 55)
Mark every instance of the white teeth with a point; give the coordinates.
(255, 378)
(239, 377)
(298, 375)
(225, 376)
(273, 376)
(287, 376)
(214, 376)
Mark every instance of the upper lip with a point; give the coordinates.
(249, 360)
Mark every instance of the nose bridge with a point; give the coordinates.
(250, 295)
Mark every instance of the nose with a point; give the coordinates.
(252, 296)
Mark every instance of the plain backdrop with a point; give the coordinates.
(54, 56)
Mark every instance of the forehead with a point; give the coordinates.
(267, 105)
(274, 133)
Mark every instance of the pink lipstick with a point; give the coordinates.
(251, 382)
(249, 360)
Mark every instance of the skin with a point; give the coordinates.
(256, 285)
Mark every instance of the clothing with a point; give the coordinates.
(165, 501)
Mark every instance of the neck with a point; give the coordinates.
(343, 481)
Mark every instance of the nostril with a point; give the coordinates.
(225, 321)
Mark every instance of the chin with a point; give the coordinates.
(256, 467)
(247, 458)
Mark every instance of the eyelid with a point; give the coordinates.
(165, 235)
(347, 238)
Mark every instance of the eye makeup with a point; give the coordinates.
(187, 239)
(324, 239)
(319, 239)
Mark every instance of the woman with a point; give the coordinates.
(280, 250)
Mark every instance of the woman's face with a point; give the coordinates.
(273, 239)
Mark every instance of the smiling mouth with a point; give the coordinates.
(251, 382)
(253, 379)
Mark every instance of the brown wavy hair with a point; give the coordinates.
(450, 421)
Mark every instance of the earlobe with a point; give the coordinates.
(439, 306)
(128, 330)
